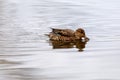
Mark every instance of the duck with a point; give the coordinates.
(68, 35)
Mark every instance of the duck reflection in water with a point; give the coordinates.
(67, 38)
(64, 45)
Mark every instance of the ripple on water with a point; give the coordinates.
(26, 54)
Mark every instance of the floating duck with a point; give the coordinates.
(68, 35)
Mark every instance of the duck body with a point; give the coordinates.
(67, 35)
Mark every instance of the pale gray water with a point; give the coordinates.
(26, 55)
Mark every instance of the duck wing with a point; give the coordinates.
(63, 32)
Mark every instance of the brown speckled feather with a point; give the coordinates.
(63, 32)
(56, 37)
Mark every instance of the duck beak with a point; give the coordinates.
(84, 39)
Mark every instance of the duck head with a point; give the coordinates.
(80, 35)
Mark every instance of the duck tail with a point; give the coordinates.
(52, 28)
(55, 30)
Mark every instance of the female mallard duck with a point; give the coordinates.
(67, 35)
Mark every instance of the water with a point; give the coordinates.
(25, 53)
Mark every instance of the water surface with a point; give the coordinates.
(25, 53)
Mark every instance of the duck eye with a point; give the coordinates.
(82, 31)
